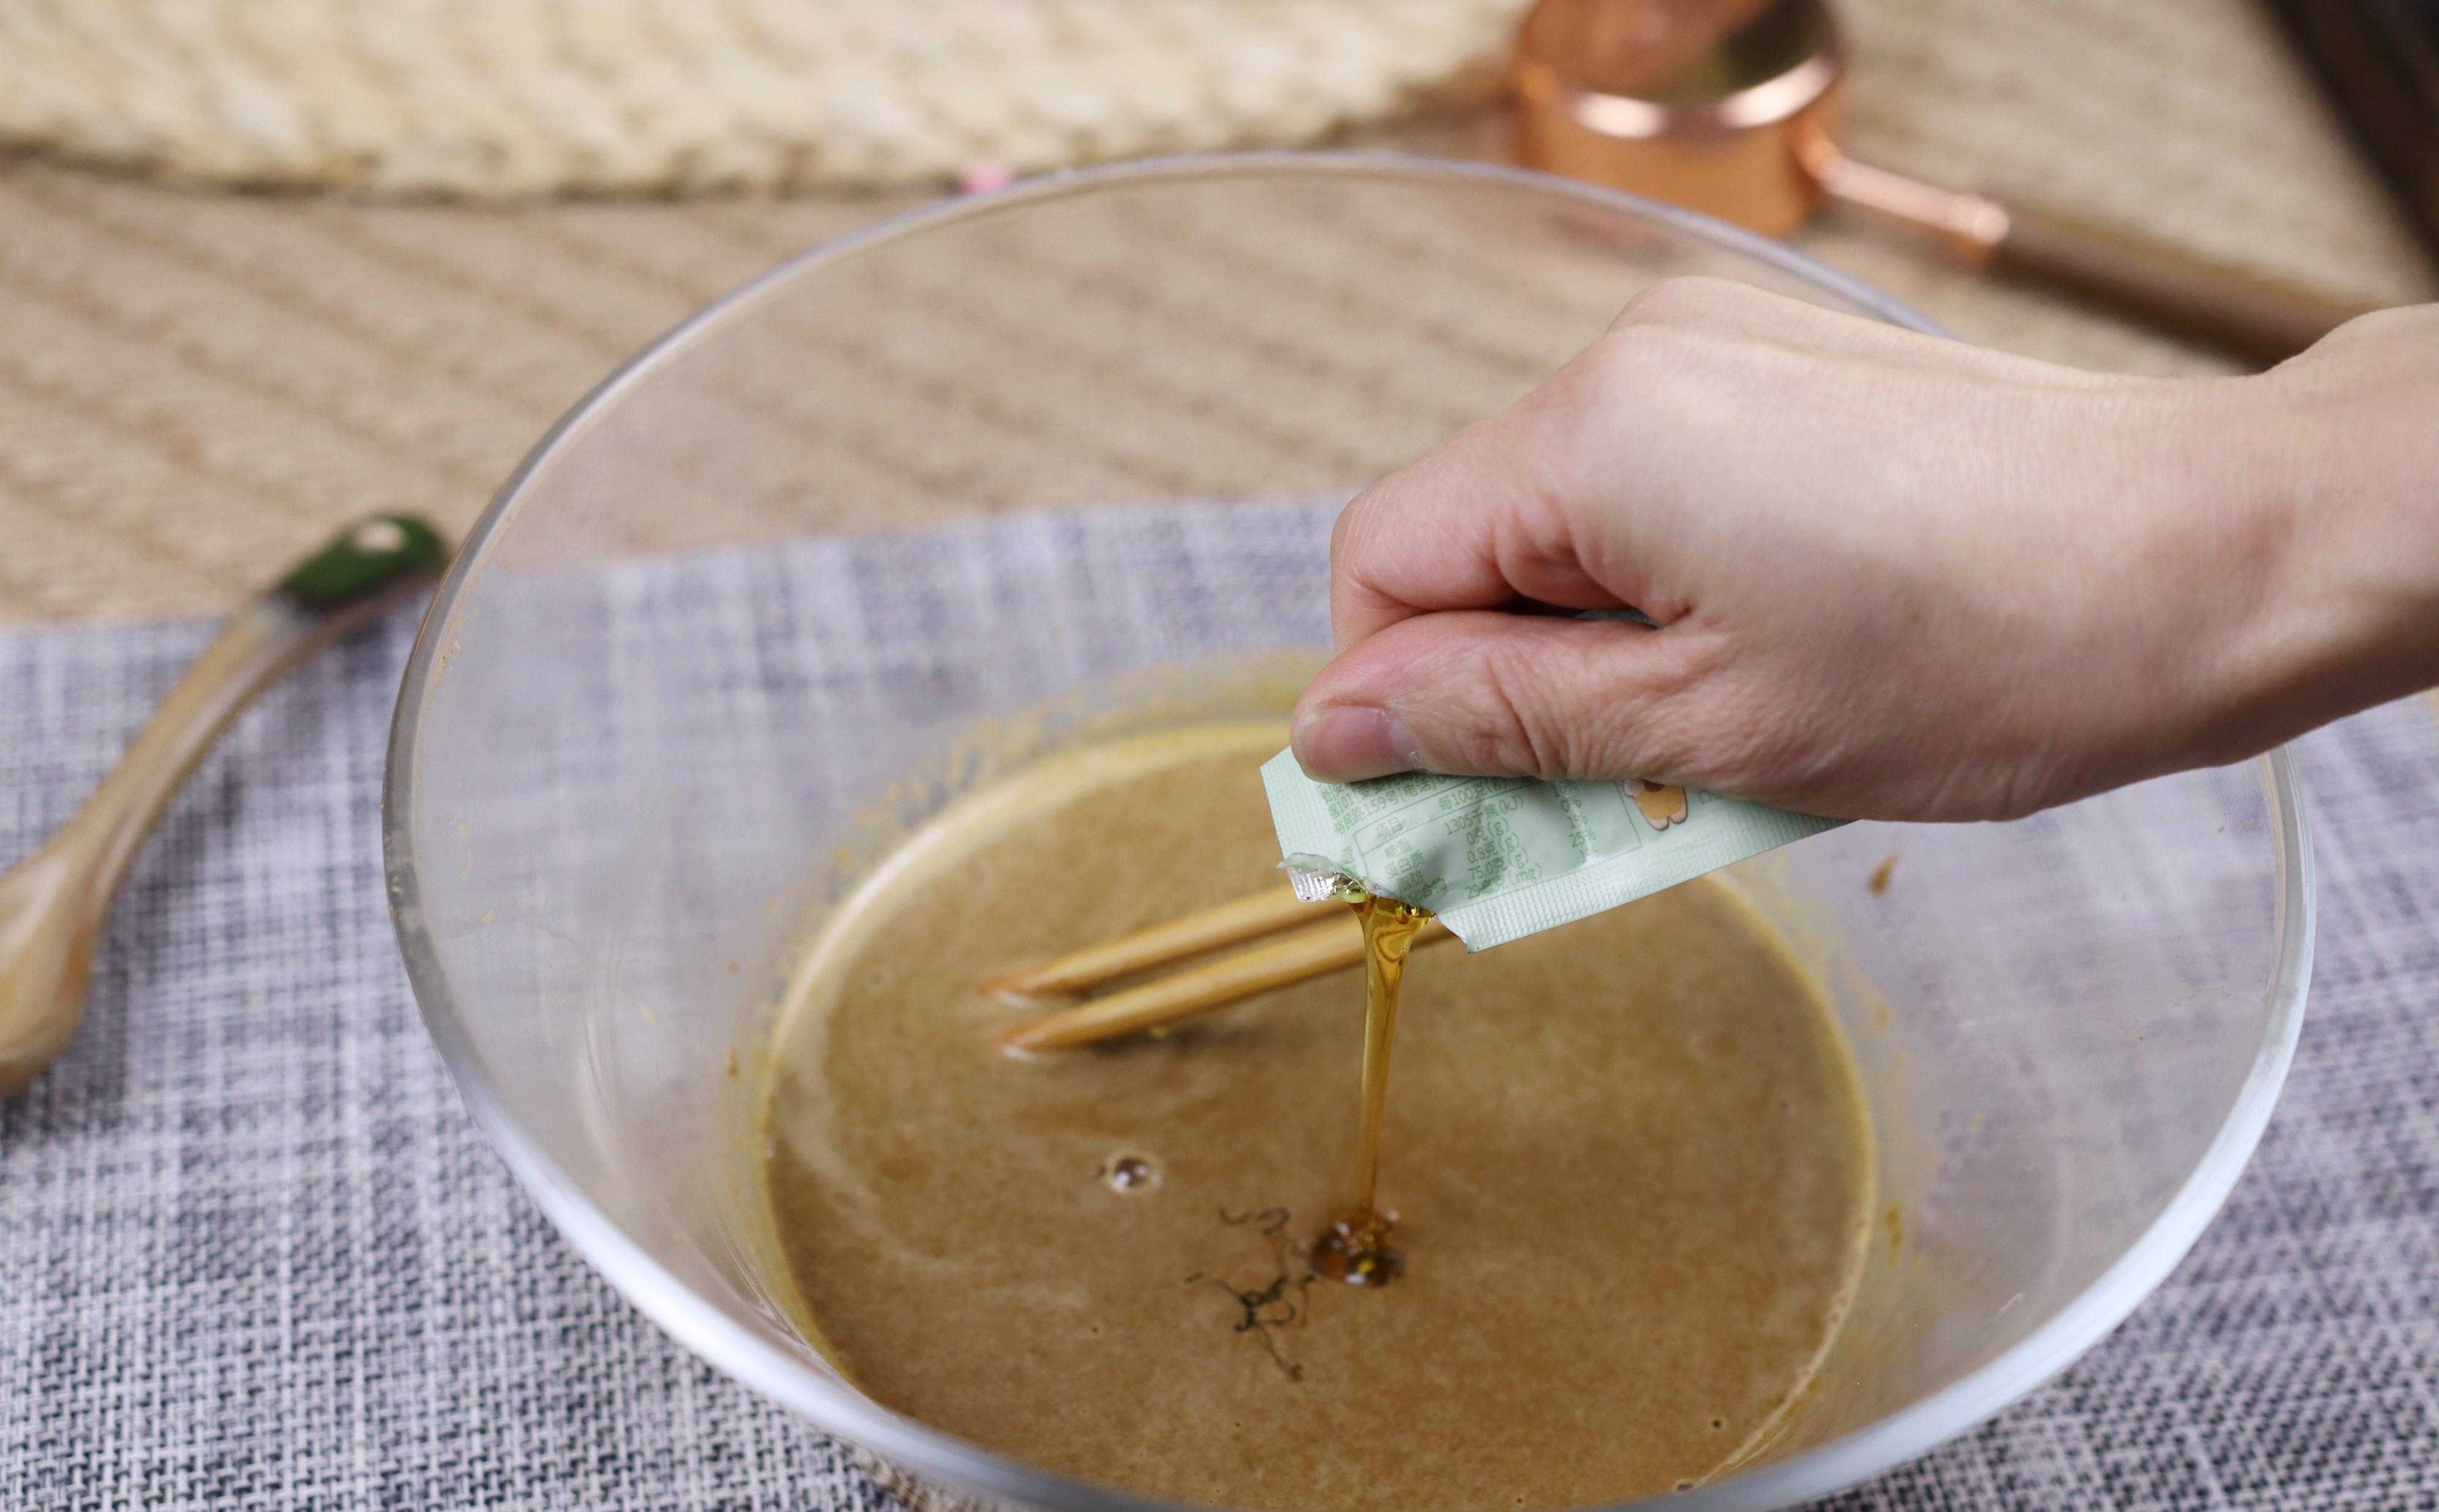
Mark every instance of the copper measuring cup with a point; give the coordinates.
(1730, 107)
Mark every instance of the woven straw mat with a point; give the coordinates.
(494, 98)
(194, 388)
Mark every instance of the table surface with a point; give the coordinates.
(195, 387)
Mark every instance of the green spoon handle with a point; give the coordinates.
(344, 585)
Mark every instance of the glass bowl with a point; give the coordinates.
(1063, 459)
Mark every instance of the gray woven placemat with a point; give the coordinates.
(253, 1256)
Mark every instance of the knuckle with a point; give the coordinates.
(2379, 324)
(1714, 728)
(1550, 716)
(1755, 749)
(1681, 301)
(1519, 705)
(1500, 723)
(1530, 735)
(1637, 365)
(1658, 740)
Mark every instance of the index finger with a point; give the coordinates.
(1478, 522)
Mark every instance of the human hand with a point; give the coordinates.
(1892, 576)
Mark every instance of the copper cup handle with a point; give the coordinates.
(2249, 314)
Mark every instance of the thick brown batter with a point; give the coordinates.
(1629, 1161)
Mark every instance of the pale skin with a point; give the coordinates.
(1894, 577)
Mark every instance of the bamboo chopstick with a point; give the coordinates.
(1327, 945)
(1249, 917)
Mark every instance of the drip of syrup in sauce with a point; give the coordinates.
(1354, 1247)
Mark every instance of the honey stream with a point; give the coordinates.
(1355, 1246)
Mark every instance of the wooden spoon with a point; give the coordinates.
(53, 905)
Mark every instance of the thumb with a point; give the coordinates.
(1477, 693)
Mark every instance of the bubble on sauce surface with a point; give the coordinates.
(1130, 1173)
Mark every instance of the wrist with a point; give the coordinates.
(2326, 476)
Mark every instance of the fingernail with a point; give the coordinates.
(1348, 742)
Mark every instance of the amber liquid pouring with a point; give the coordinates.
(1354, 1247)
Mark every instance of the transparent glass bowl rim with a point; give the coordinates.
(829, 1403)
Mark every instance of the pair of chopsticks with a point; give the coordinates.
(1310, 942)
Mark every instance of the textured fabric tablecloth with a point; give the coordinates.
(254, 1256)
